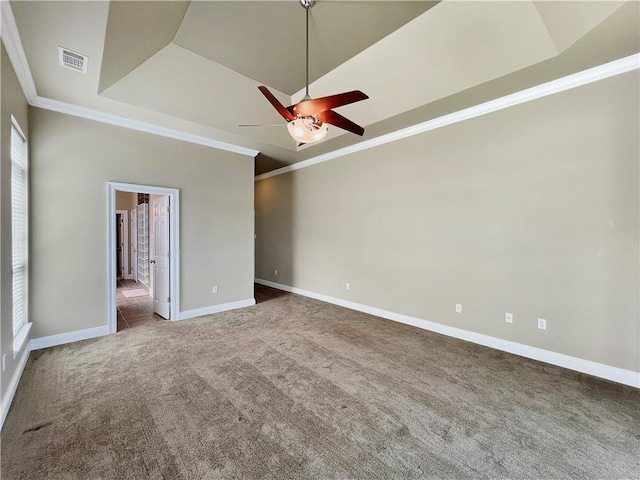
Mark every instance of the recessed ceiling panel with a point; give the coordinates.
(182, 84)
(567, 22)
(265, 41)
(135, 32)
(453, 47)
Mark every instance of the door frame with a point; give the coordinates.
(125, 243)
(174, 246)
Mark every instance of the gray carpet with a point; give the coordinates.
(294, 388)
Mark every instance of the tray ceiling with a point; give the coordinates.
(195, 66)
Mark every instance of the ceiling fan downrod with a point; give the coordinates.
(307, 4)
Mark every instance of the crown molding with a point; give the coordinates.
(13, 44)
(91, 114)
(595, 74)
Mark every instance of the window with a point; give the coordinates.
(19, 222)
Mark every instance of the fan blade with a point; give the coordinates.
(311, 107)
(338, 120)
(278, 106)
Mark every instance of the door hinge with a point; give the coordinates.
(168, 209)
(168, 299)
(168, 254)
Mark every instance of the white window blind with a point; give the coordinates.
(19, 185)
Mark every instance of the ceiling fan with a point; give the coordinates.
(309, 119)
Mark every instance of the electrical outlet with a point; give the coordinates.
(347, 286)
(542, 324)
(508, 317)
(458, 308)
(214, 289)
(4, 362)
(276, 271)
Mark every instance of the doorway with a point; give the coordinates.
(134, 303)
(148, 289)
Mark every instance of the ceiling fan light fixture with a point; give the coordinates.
(307, 129)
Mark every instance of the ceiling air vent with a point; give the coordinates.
(72, 60)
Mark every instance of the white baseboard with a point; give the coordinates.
(13, 385)
(62, 338)
(199, 312)
(615, 374)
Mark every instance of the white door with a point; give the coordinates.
(134, 245)
(160, 260)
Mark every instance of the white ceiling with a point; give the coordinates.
(196, 66)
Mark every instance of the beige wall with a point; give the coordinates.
(531, 210)
(12, 102)
(69, 247)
